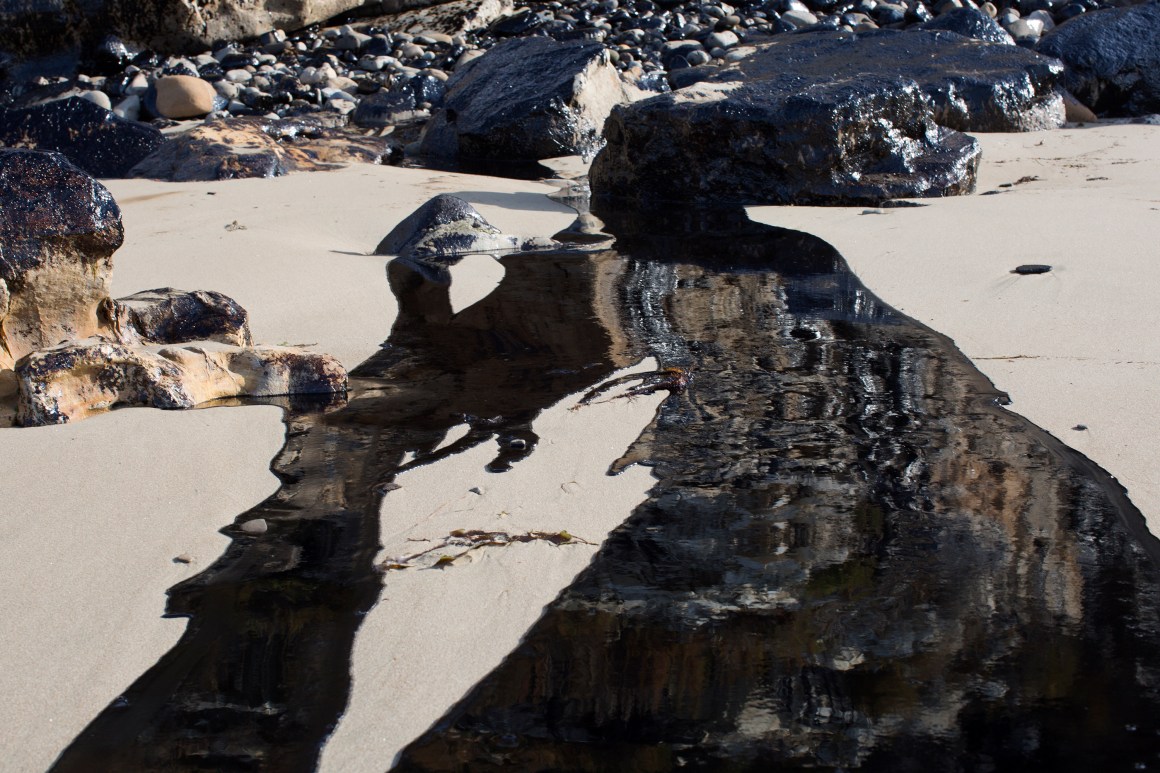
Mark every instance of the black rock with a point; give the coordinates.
(971, 86)
(444, 227)
(781, 140)
(108, 57)
(527, 98)
(1112, 58)
(169, 316)
(521, 23)
(971, 23)
(383, 109)
(93, 138)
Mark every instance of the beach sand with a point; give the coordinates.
(87, 551)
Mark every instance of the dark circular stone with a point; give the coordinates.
(1031, 268)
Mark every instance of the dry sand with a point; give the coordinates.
(94, 513)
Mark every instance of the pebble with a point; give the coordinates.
(255, 526)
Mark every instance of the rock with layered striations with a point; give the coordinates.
(169, 316)
(90, 136)
(58, 230)
(781, 142)
(1112, 58)
(527, 98)
(260, 147)
(444, 227)
(72, 382)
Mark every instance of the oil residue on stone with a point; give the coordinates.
(852, 557)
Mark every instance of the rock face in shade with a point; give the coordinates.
(91, 137)
(184, 96)
(58, 230)
(444, 227)
(1112, 58)
(74, 381)
(169, 316)
(771, 141)
(258, 147)
(527, 98)
(49, 26)
(971, 23)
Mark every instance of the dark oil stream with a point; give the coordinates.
(852, 558)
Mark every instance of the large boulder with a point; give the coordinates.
(783, 141)
(972, 86)
(33, 27)
(528, 99)
(260, 147)
(90, 136)
(58, 230)
(72, 382)
(1112, 58)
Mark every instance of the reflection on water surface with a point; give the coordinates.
(852, 557)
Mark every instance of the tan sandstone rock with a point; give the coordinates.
(72, 382)
(184, 96)
(58, 230)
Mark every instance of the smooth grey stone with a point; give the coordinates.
(444, 227)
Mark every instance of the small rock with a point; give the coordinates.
(255, 526)
(446, 226)
(183, 96)
(184, 558)
(1031, 268)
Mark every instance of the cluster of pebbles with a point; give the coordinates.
(327, 72)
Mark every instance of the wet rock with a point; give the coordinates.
(528, 98)
(259, 147)
(96, 140)
(857, 140)
(58, 231)
(169, 316)
(971, 23)
(183, 96)
(445, 226)
(829, 117)
(970, 86)
(74, 381)
(1112, 58)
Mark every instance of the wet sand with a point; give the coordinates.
(1073, 348)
